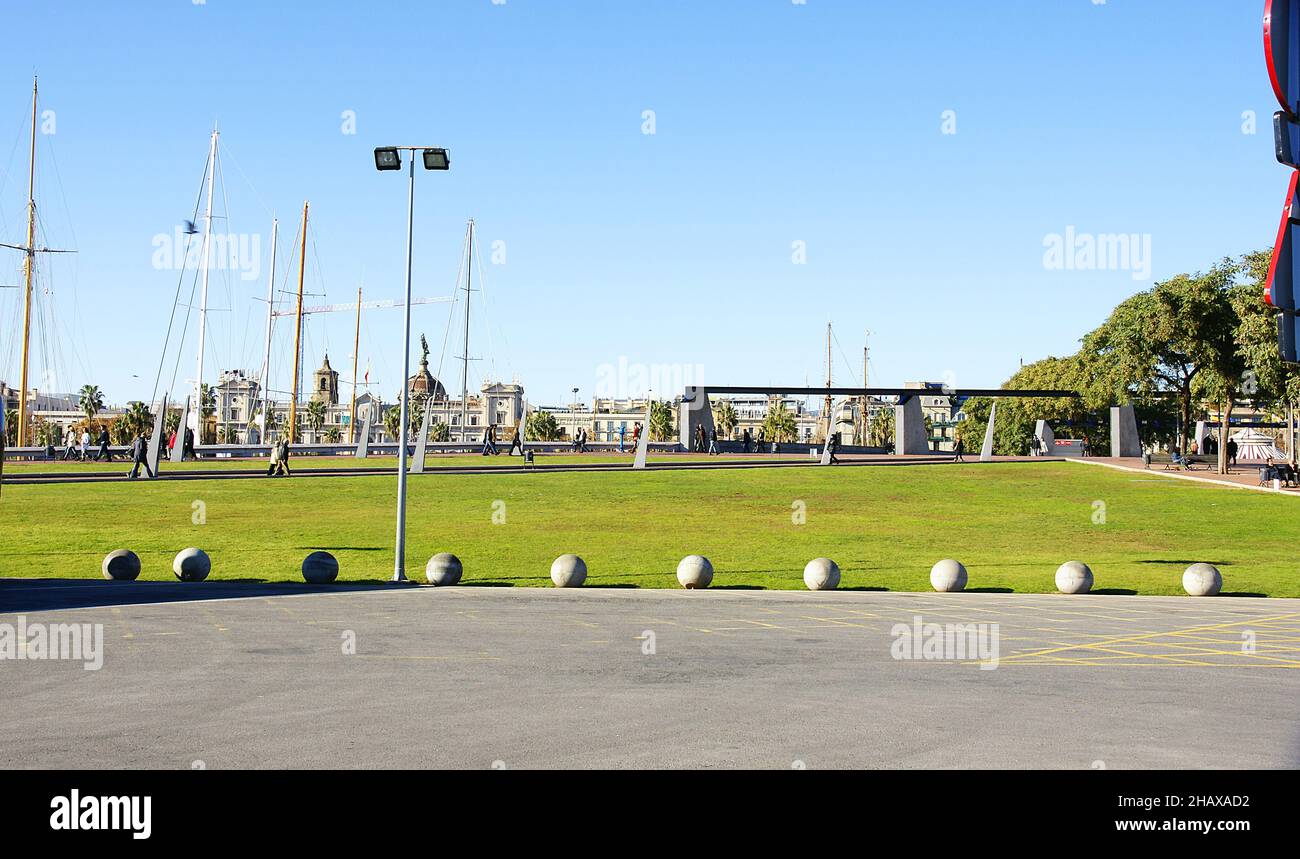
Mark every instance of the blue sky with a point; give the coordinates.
(774, 123)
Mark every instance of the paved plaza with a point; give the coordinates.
(265, 676)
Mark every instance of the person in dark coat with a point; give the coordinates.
(958, 449)
(139, 457)
(103, 451)
(516, 441)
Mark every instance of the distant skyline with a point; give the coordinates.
(669, 190)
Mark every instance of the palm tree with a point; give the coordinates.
(880, 432)
(416, 418)
(92, 401)
(661, 421)
(724, 417)
(439, 431)
(138, 419)
(780, 425)
(172, 422)
(541, 426)
(393, 422)
(11, 426)
(333, 435)
(315, 414)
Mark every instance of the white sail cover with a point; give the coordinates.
(1255, 446)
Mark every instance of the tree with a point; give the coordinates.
(1268, 383)
(11, 426)
(92, 401)
(880, 432)
(439, 431)
(333, 435)
(138, 419)
(172, 422)
(724, 417)
(1177, 337)
(416, 418)
(780, 425)
(541, 426)
(661, 421)
(315, 416)
(393, 422)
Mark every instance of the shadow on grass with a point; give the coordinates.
(989, 591)
(1119, 592)
(484, 584)
(1186, 563)
(737, 588)
(864, 588)
(1240, 594)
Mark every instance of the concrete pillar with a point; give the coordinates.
(363, 443)
(154, 453)
(417, 465)
(643, 443)
(986, 452)
(1043, 430)
(1124, 439)
(178, 449)
(909, 427)
(693, 412)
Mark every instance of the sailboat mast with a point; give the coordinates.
(203, 301)
(464, 372)
(829, 404)
(356, 351)
(297, 328)
(270, 305)
(29, 265)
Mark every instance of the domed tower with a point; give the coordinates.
(326, 388)
(423, 384)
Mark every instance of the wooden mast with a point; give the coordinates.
(297, 330)
(29, 265)
(356, 349)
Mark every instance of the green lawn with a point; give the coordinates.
(1012, 524)
(341, 462)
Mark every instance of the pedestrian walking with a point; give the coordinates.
(85, 445)
(516, 441)
(958, 450)
(69, 444)
(139, 457)
(713, 441)
(490, 441)
(103, 452)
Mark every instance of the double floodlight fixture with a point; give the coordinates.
(390, 158)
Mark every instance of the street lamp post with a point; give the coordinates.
(389, 158)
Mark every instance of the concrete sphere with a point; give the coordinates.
(948, 575)
(695, 571)
(568, 571)
(443, 569)
(191, 565)
(1073, 577)
(122, 565)
(320, 568)
(1202, 580)
(821, 574)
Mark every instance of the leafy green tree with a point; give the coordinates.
(439, 431)
(333, 435)
(11, 426)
